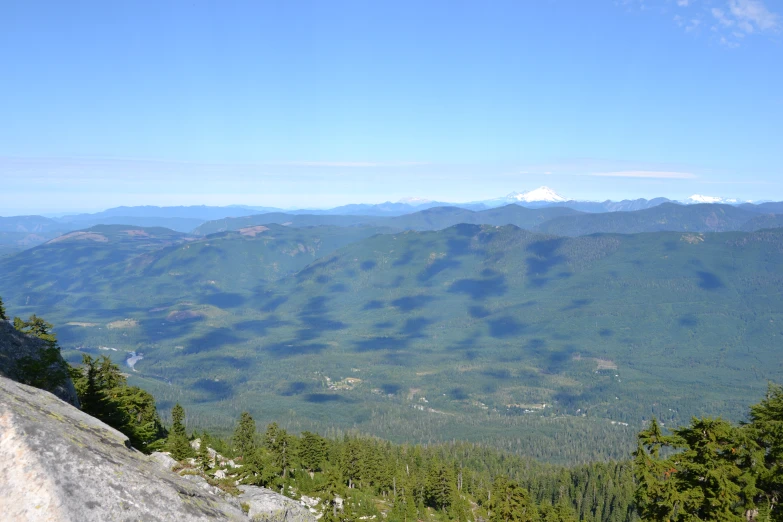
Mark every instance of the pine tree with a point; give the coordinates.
(3, 316)
(103, 393)
(37, 327)
(511, 502)
(351, 462)
(766, 430)
(203, 454)
(312, 451)
(245, 435)
(46, 369)
(440, 486)
(278, 442)
(332, 488)
(702, 481)
(178, 443)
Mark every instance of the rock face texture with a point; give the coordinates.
(15, 347)
(265, 504)
(60, 464)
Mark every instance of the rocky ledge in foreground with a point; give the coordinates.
(60, 464)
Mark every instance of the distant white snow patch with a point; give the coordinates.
(541, 194)
(698, 198)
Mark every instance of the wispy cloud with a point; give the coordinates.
(743, 17)
(644, 174)
(354, 164)
(752, 15)
(729, 20)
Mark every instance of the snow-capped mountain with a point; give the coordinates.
(539, 195)
(699, 198)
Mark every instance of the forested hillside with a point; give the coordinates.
(489, 334)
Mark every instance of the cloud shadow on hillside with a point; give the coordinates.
(293, 348)
(213, 390)
(223, 300)
(377, 344)
(505, 327)
(411, 303)
(709, 281)
(480, 289)
(260, 327)
(294, 388)
(214, 340)
(322, 398)
(315, 319)
(543, 260)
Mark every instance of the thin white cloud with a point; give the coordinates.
(721, 17)
(753, 14)
(693, 25)
(645, 174)
(360, 164)
(729, 20)
(741, 18)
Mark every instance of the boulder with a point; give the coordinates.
(267, 505)
(60, 464)
(165, 460)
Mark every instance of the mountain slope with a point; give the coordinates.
(84, 263)
(20, 232)
(486, 333)
(436, 218)
(763, 221)
(667, 216)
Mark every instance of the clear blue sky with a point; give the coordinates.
(321, 103)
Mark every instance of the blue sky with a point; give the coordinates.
(315, 104)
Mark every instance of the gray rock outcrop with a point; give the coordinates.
(60, 464)
(164, 460)
(265, 504)
(16, 348)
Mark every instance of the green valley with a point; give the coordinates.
(553, 347)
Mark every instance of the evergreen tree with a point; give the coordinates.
(511, 502)
(178, 443)
(312, 451)
(259, 468)
(47, 369)
(560, 512)
(202, 456)
(404, 501)
(103, 393)
(278, 442)
(37, 327)
(440, 485)
(332, 489)
(351, 462)
(766, 430)
(3, 316)
(245, 435)
(701, 481)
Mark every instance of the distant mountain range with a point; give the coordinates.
(21, 232)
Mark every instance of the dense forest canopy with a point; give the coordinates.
(490, 334)
(708, 470)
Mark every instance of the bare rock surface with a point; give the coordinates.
(164, 459)
(60, 464)
(267, 505)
